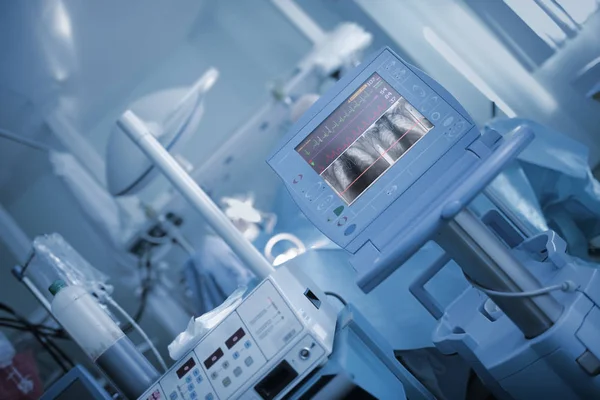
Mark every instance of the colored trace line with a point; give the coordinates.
(351, 99)
(382, 154)
(347, 125)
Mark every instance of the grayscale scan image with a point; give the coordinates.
(376, 150)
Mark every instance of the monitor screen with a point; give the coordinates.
(361, 139)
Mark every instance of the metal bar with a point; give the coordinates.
(489, 263)
(16, 240)
(18, 272)
(78, 145)
(37, 294)
(300, 19)
(141, 136)
(417, 288)
(508, 212)
(24, 141)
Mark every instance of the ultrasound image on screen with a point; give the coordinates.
(376, 150)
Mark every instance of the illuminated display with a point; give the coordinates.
(233, 339)
(363, 138)
(214, 357)
(185, 368)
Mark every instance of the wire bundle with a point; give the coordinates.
(42, 333)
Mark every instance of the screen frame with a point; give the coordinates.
(302, 181)
(398, 97)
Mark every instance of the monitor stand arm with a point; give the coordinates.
(487, 262)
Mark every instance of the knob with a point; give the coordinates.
(304, 353)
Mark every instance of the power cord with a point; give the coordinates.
(140, 331)
(567, 286)
(16, 324)
(132, 323)
(337, 296)
(20, 323)
(146, 285)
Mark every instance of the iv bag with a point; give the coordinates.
(54, 259)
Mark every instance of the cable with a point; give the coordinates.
(42, 329)
(174, 234)
(155, 239)
(55, 352)
(180, 301)
(140, 331)
(14, 326)
(567, 286)
(26, 142)
(146, 285)
(337, 296)
(531, 293)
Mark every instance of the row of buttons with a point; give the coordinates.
(193, 395)
(455, 130)
(399, 73)
(341, 221)
(236, 372)
(189, 380)
(314, 192)
(248, 361)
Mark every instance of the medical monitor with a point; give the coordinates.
(375, 153)
(362, 138)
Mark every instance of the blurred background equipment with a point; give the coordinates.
(218, 92)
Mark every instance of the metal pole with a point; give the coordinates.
(141, 136)
(301, 20)
(19, 273)
(508, 212)
(488, 262)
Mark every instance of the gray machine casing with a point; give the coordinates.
(257, 345)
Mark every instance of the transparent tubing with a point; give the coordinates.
(140, 331)
(102, 340)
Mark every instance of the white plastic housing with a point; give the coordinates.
(83, 318)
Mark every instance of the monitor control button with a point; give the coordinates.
(314, 191)
(419, 91)
(325, 203)
(350, 230)
(304, 354)
(400, 74)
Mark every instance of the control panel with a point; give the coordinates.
(363, 144)
(232, 363)
(257, 351)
